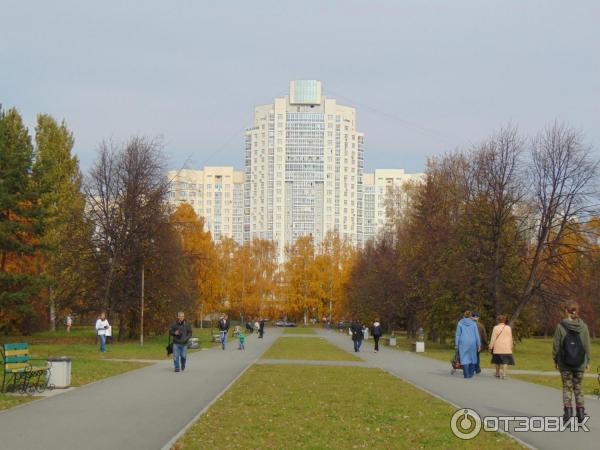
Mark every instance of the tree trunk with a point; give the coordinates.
(52, 309)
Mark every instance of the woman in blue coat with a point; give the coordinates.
(468, 343)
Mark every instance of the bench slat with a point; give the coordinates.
(15, 346)
(22, 351)
(16, 359)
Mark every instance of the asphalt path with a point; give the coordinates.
(487, 395)
(142, 409)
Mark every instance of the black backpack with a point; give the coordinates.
(573, 352)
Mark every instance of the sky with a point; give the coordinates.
(426, 77)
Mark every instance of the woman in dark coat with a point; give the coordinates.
(376, 332)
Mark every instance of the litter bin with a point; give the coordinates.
(392, 341)
(193, 343)
(60, 372)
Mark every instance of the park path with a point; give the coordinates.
(143, 409)
(483, 393)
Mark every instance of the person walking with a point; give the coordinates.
(483, 339)
(249, 328)
(69, 323)
(223, 329)
(241, 339)
(376, 332)
(357, 334)
(501, 346)
(102, 327)
(571, 353)
(261, 328)
(467, 342)
(181, 331)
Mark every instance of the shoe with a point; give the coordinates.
(568, 413)
(580, 413)
(176, 370)
(496, 376)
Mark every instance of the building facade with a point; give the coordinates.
(304, 164)
(386, 194)
(215, 193)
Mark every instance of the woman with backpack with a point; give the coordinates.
(501, 347)
(571, 353)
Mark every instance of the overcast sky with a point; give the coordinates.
(425, 76)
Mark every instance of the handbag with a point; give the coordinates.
(169, 347)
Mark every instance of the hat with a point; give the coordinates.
(476, 314)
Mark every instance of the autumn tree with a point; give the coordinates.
(20, 225)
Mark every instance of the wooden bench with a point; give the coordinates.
(18, 372)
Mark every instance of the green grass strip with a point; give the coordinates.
(308, 348)
(314, 407)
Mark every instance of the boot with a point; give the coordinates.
(567, 414)
(580, 413)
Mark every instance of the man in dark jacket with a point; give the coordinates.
(223, 329)
(356, 329)
(576, 331)
(482, 337)
(181, 332)
(261, 328)
(376, 332)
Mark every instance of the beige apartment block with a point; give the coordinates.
(304, 163)
(386, 194)
(215, 193)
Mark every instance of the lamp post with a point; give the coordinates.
(142, 311)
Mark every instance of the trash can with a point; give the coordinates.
(392, 341)
(60, 372)
(193, 343)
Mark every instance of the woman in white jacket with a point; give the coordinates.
(102, 327)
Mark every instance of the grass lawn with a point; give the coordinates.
(8, 401)
(299, 330)
(589, 384)
(530, 354)
(315, 407)
(307, 348)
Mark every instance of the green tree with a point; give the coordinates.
(58, 181)
(20, 227)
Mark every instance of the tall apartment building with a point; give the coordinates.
(215, 193)
(385, 192)
(304, 164)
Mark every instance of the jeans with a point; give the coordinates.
(468, 370)
(376, 342)
(102, 342)
(478, 364)
(357, 343)
(223, 339)
(241, 347)
(179, 352)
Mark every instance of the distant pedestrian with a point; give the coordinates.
(249, 328)
(571, 353)
(181, 331)
(236, 331)
(501, 346)
(467, 342)
(261, 328)
(376, 332)
(356, 330)
(69, 323)
(482, 337)
(102, 327)
(223, 329)
(256, 326)
(241, 339)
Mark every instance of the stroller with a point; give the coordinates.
(455, 363)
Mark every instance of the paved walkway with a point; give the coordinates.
(142, 409)
(485, 394)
